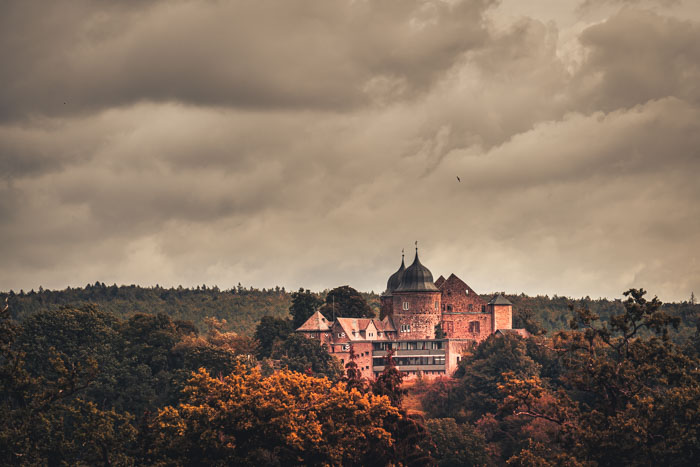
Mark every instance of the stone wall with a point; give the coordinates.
(421, 317)
(476, 326)
(363, 351)
(457, 296)
(502, 317)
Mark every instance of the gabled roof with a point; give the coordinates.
(388, 324)
(359, 325)
(440, 280)
(500, 300)
(316, 322)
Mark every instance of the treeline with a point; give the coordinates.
(241, 307)
(553, 314)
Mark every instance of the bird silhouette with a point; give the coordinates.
(459, 179)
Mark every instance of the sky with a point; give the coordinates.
(306, 143)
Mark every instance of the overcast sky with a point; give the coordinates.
(305, 143)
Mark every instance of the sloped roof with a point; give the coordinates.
(500, 300)
(388, 324)
(416, 278)
(316, 322)
(395, 279)
(440, 280)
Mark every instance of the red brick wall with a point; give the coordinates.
(453, 354)
(421, 314)
(454, 294)
(503, 317)
(363, 350)
(457, 325)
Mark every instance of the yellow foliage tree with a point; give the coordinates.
(286, 418)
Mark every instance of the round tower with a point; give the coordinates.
(386, 299)
(416, 303)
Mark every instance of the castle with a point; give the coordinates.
(413, 310)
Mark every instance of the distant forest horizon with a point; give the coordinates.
(243, 307)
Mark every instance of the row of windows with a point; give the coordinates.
(470, 307)
(405, 361)
(429, 372)
(408, 345)
(405, 328)
(407, 305)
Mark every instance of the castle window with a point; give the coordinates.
(466, 291)
(405, 328)
(341, 334)
(405, 305)
(449, 307)
(346, 347)
(436, 304)
(443, 307)
(483, 308)
(471, 307)
(474, 327)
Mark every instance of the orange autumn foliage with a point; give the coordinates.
(286, 418)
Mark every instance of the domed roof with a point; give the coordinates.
(417, 278)
(395, 279)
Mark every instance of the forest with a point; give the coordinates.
(243, 307)
(151, 376)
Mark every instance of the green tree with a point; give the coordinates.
(388, 382)
(346, 302)
(628, 398)
(479, 374)
(47, 420)
(455, 444)
(304, 304)
(439, 333)
(270, 331)
(308, 356)
(353, 376)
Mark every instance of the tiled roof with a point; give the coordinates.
(317, 322)
(500, 300)
(388, 325)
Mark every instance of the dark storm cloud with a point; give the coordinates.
(80, 56)
(306, 143)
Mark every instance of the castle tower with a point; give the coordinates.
(502, 313)
(416, 303)
(386, 299)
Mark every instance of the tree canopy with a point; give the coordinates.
(346, 302)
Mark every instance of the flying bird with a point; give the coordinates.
(459, 179)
